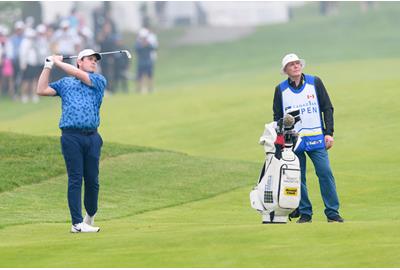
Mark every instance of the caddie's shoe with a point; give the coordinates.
(294, 214)
(89, 220)
(84, 228)
(336, 219)
(304, 219)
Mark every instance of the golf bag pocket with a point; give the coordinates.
(289, 188)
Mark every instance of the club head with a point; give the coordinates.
(128, 54)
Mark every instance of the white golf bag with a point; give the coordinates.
(277, 192)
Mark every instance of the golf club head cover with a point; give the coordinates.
(280, 140)
(279, 145)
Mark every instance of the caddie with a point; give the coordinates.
(308, 94)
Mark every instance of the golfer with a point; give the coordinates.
(308, 94)
(81, 95)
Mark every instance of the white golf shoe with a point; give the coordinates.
(89, 220)
(83, 228)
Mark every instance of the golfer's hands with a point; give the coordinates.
(328, 141)
(48, 63)
(57, 59)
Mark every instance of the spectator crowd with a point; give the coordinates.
(24, 48)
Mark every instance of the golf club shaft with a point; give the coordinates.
(102, 53)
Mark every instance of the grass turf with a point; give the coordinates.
(166, 209)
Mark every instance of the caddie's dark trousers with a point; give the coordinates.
(326, 183)
(81, 151)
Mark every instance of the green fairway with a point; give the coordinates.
(178, 165)
(207, 233)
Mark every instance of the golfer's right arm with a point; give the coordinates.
(43, 88)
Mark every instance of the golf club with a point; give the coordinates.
(126, 52)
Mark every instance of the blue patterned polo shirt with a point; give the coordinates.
(80, 103)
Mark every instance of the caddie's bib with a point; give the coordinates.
(304, 99)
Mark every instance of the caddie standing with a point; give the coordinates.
(81, 94)
(308, 94)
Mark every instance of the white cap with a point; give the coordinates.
(64, 24)
(143, 33)
(29, 21)
(291, 57)
(41, 28)
(30, 33)
(19, 25)
(88, 52)
(86, 32)
(4, 30)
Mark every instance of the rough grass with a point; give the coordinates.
(26, 160)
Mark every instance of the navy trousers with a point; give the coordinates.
(327, 184)
(81, 151)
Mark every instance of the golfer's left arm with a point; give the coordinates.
(326, 108)
(43, 88)
(71, 70)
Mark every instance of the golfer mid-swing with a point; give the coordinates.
(81, 95)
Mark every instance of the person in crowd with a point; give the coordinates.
(107, 42)
(86, 37)
(144, 70)
(29, 61)
(65, 42)
(7, 71)
(121, 69)
(16, 40)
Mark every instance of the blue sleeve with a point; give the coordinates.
(58, 86)
(98, 81)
